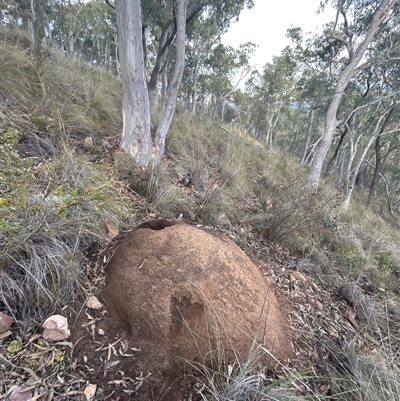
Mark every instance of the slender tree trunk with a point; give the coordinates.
(136, 136)
(377, 170)
(309, 134)
(348, 185)
(175, 83)
(331, 121)
(194, 94)
(381, 123)
(166, 38)
(336, 152)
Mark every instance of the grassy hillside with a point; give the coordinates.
(63, 182)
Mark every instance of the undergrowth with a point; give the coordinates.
(52, 208)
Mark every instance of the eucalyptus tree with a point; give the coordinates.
(374, 121)
(31, 15)
(85, 30)
(312, 90)
(357, 27)
(385, 153)
(159, 23)
(165, 23)
(202, 35)
(220, 75)
(378, 124)
(272, 93)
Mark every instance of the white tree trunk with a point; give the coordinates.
(175, 83)
(331, 121)
(136, 136)
(351, 182)
(308, 138)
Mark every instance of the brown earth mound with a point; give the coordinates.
(180, 291)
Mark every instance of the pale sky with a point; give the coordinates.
(266, 24)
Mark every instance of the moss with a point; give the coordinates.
(59, 358)
(14, 347)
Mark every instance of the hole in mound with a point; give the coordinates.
(185, 313)
(157, 224)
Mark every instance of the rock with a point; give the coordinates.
(296, 275)
(56, 328)
(366, 311)
(89, 141)
(111, 228)
(5, 322)
(351, 293)
(93, 303)
(90, 391)
(180, 290)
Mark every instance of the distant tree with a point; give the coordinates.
(271, 93)
(355, 36)
(220, 74)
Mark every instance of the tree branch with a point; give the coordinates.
(371, 103)
(109, 4)
(336, 36)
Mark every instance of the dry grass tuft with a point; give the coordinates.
(53, 207)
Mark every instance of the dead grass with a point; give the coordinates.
(63, 95)
(53, 199)
(52, 209)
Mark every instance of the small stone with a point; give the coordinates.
(101, 332)
(223, 220)
(89, 141)
(90, 391)
(56, 328)
(5, 322)
(111, 228)
(93, 303)
(296, 275)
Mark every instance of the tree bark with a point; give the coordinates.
(380, 125)
(309, 134)
(166, 39)
(331, 121)
(175, 83)
(136, 136)
(378, 170)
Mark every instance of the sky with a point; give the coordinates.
(266, 24)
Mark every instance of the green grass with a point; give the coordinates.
(363, 371)
(54, 199)
(52, 209)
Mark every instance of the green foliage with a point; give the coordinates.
(387, 272)
(14, 347)
(220, 380)
(50, 212)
